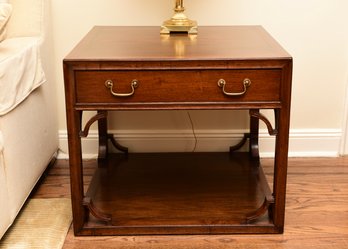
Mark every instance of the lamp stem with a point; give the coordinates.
(179, 5)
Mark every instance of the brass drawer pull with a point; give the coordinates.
(109, 84)
(246, 84)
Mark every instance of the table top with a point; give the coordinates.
(130, 43)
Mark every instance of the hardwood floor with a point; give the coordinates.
(316, 211)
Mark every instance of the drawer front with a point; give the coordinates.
(177, 86)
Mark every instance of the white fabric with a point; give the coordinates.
(1, 142)
(5, 217)
(29, 143)
(21, 71)
(5, 13)
(28, 124)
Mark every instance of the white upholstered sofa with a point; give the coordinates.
(28, 126)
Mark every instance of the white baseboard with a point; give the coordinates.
(303, 143)
(344, 142)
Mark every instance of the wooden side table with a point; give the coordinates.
(135, 68)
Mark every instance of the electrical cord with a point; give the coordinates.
(193, 131)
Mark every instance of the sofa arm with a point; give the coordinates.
(27, 18)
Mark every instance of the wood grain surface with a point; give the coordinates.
(316, 211)
(227, 67)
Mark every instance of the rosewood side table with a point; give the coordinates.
(135, 68)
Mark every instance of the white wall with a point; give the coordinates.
(314, 32)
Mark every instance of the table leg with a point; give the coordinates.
(76, 171)
(280, 168)
(103, 136)
(254, 136)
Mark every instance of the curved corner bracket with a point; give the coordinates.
(271, 130)
(88, 204)
(253, 216)
(117, 145)
(241, 143)
(98, 116)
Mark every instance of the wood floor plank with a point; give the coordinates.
(316, 211)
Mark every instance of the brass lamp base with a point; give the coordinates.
(174, 26)
(179, 23)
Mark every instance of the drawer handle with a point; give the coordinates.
(246, 84)
(110, 84)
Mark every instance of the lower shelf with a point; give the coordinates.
(178, 193)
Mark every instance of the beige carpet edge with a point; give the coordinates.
(42, 223)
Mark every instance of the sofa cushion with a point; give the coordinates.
(5, 12)
(5, 216)
(21, 71)
(1, 143)
(23, 10)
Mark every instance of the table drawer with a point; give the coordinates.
(178, 86)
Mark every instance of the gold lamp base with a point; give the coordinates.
(179, 23)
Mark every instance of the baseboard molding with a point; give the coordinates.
(303, 143)
(344, 142)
